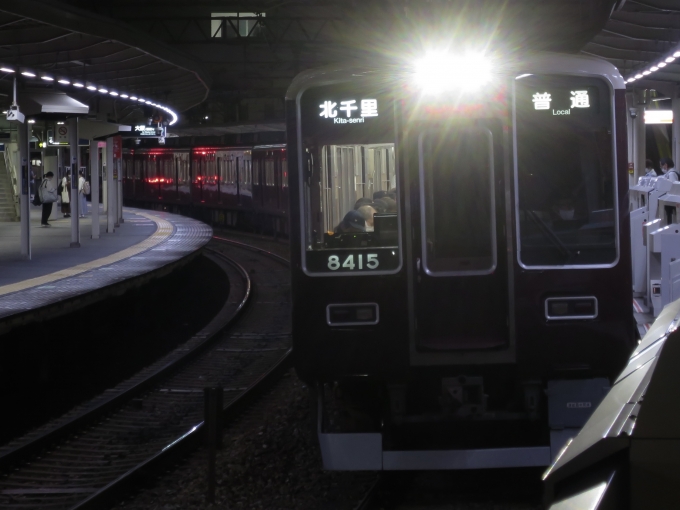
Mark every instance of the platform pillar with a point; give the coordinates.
(75, 157)
(676, 125)
(110, 190)
(639, 135)
(119, 200)
(24, 203)
(94, 187)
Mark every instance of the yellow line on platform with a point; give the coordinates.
(163, 231)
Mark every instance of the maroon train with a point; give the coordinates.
(242, 187)
(479, 323)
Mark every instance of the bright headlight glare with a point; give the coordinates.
(440, 72)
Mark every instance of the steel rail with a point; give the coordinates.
(369, 499)
(111, 493)
(253, 248)
(49, 437)
(192, 439)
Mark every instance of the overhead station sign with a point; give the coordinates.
(142, 130)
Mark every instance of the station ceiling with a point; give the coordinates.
(61, 40)
(638, 35)
(183, 53)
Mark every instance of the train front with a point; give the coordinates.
(460, 256)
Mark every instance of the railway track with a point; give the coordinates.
(91, 457)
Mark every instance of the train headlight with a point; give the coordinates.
(440, 72)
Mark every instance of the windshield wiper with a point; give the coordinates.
(550, 235)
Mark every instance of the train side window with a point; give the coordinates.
(565, 173)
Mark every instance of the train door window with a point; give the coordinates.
(457, 199)
(269, 172)
(565, 174)
(256, 172)
(284, 173)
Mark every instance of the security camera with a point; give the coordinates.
(633, 112)
(14, 114)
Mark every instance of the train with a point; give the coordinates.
(244, 187)
(480, 323)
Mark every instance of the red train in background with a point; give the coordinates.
(241, 186)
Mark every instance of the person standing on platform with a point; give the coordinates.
(66, 195)
(668, 169)
(48, 195)
(649, 170)
(82, 201)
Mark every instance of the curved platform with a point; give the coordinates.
(59, 279)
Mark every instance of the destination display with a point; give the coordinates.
(348, 112)
(548, 97)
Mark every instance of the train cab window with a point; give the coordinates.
(566, 180)
(356, 204)
(457, 201)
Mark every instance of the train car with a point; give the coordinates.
(270, 185)
(242, 187)
(479, 323)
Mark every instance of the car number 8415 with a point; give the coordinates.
(353, 262)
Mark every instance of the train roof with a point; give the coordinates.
(545, 62)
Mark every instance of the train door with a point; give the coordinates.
(458, 212)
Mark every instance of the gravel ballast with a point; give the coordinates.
(270, 460)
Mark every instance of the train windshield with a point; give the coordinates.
(357, 202)
(566, 193)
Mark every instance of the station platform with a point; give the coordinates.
(59, 279)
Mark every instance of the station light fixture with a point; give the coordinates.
(79, 84)
(654, 67)
(31, 121)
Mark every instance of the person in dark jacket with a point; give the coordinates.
(48, 195)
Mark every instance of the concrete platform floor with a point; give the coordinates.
(51, 249)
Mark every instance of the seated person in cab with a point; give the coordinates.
(367, 212)
(361, 202)
(353, 222)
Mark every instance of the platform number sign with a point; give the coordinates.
(354, 262)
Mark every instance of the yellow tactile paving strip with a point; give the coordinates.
(163, 231)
